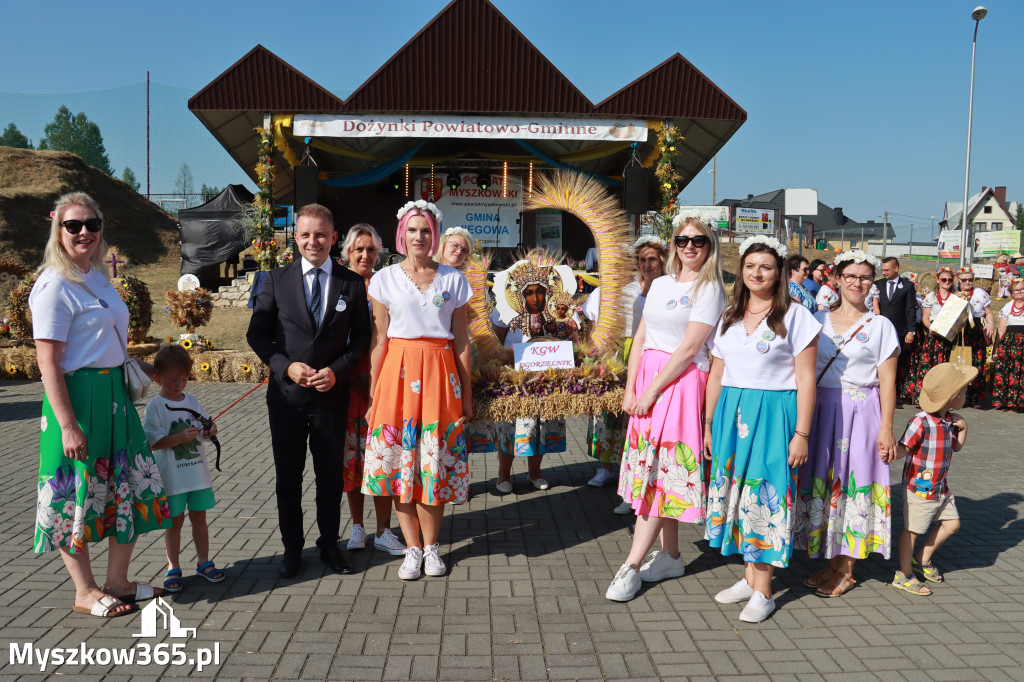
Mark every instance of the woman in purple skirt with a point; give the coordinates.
(843, 508)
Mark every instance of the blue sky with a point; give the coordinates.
(865, 101)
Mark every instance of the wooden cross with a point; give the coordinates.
(114, 262)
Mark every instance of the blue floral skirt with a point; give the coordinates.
(117, 490)
(750, 498)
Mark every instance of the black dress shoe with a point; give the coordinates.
(290, 565)
(333, 557)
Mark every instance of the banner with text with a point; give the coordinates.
(754, 221)
(471, 127)
(991, 244)
(489, 216)
(717, 217)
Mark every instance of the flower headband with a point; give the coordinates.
(461, 231)
(423, 206)
(650, 240)
(771, 242)
(681, 218)
(965, 270)
(858, 256)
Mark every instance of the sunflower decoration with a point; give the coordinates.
(209, 344)
(205, 367)
(246, 369)
(186, 344)
(12, 370)
(189, 309)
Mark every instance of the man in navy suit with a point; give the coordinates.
(311, 326)
(897, 301)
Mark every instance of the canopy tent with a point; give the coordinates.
(210, 233)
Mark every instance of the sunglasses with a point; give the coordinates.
(945, 279)
(699, 242)
(966, 279)
(75, 226)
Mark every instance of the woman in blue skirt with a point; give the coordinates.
(761, 393)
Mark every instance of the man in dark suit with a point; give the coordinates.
(897, 301)
(311, 326)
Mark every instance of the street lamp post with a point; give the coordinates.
(978, 14)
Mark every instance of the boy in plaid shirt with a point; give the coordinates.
(931, 438)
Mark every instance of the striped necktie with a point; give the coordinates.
(315, 299)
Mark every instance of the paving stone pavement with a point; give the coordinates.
(524, 598)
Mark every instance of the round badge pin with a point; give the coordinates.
(341, 305)
(837, 339)
(446, 296)
(103, 303)
(438, 300)
(685, 300)
(762, 346)
(768, 335)
(671, 304)
(862, 337)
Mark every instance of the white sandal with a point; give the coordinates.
(102, 608)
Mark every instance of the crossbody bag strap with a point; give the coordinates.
(838, 351)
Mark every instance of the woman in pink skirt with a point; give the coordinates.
(662, 474)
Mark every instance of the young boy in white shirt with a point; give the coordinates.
(174, 438)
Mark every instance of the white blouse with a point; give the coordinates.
(1006, 313)
(671, 306)
(931, 301)
(632, 306)
(826, 296)
(857, 364)
(65, 311)
(979, 301)
(416, 314)
(765, 360)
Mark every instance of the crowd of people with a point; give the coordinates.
(765, 417)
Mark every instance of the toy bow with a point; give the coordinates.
(207, 423)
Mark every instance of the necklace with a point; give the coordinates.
(940, 299)
(758, 312)
(1015, 311)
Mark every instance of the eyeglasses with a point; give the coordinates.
(863, 279)
(699, 242)
(458, 249)
(75, 226)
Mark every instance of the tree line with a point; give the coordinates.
(78, 135)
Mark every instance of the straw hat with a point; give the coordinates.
(942, 383)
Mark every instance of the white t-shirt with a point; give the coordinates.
(1006, 313)
(857, 364)
(183, 468)
(671, 306)
(979, 301)
(632, 306)
(65, 311)
(826, 296)
(765, 360)
(416, 314)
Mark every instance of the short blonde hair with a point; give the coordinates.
(711, 271)
(355, 232)
(54, 255)
(439, 254)
(316, 211)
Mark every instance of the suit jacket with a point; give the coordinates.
(902, 309)
(281, 332)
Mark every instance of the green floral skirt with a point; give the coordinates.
(117, 490)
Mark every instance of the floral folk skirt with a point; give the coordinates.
(521, 437)
(1008, 371)
(750, 498)
(355, 439)
(605, 435)
(662, 468)
(974, 337)
(117, 490)
(844, 502)
(927, 351)
(416, 447)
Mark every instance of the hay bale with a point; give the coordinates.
(19, 363)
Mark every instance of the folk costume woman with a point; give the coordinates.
(928, 349)
(607, 431)
(359, 252)
(978, 335)
(97, 476)
(662, 474)
(761, 392)
(419, 380)
(829, 291)
(1008, 356)
(843, 508)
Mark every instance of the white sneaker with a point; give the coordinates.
(432, 564)
(388, 542)
(540, 483)
(601, 478)
(623, 508)
(757, 609)
(661, 565)
(741, 591)
(410, 568)
(358, 539)
(625, 584)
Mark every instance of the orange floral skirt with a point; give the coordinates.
(415, 450)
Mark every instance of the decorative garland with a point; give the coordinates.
(135, 294)
(485, 343)
(264, 199)
(669, 180)
(17, 303)
(602, 213)
(189, 309)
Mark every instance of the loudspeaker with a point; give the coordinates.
(634, 189)
(305, 185)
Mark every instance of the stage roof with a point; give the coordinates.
(477, 63)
